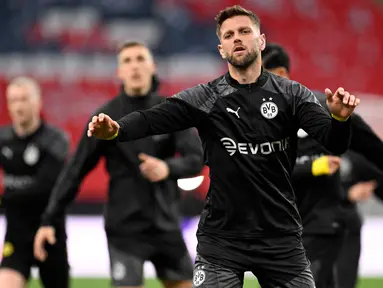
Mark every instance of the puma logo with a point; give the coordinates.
(234, 112)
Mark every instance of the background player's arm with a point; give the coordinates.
(66, 187)
(190, 162)
(334, 135)
(176, 113)
(365, 171)
(322, 166)
(302, 170)
(365, 142)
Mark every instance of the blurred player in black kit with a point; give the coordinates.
(142, 214)
(360, 179)
(248, 120)
(32, 153)
(317, 182)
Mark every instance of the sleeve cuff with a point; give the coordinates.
(114, 136)
(340, 119)
(320, 166)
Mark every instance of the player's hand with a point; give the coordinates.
(43, 235)
(102, 127)
(152, 168)
(341, 103)
(333, 164)
(361, 191)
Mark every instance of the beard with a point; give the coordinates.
(243, 62)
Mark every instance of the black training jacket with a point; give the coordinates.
(249, 134)
(31, 165)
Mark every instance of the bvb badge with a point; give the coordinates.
(199, 277)
(269, 109)
(119, 271)
(8, 249)
(31, 155)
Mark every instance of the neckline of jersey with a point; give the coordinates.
(262, 79)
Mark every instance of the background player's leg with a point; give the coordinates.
(17, 260)
(322, 251)
(174, 272)
(347, 264)
(127, 271)
(10, 278)
(54, 271)
(172, 260)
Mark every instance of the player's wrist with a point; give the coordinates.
(115, 135)
(340, 119)
(320, 166)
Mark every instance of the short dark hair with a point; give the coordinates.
(129, 44)
(233, 11)
(275, 56)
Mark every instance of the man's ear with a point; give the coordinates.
(220, 49)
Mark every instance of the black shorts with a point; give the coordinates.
(323, 251)
(275, 261)
(18, 254)
(167, 251)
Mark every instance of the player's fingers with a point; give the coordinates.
(351, 100)
(144, 168)
(328, 93)
(51, 238)
(94, 119)
(346, 97)
(143, 156)
(38, 249)
(340, 91)
(101, 117)
(114, 124)
(104, 118)
(357, 101)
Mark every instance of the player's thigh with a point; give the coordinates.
(17, 255)
(10, 278)
(210, 275)
(54, 271)
(127, 269)
(285, 266)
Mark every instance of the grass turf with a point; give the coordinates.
(150, 283)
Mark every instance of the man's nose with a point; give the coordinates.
(237, 39)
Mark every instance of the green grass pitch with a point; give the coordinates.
(249, 283)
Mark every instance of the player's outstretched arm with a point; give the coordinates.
(177, 113)
(334, 131)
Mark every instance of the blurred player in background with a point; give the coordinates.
(250, 221)
(317, 182)
(32, 153)
(141, 216)
(360, 180)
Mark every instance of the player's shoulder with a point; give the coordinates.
(109, 106)
(203, 96)
(278, 84)
(320, 96)
(56, 133)
(6, 133)
(55, 141)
